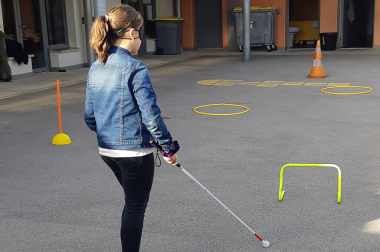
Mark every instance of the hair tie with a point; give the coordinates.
(106, 18)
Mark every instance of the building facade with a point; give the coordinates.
(52, 32)
(210, 23)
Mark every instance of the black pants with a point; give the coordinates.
(135, 174)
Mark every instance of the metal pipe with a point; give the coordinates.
(246, 31)
(87, 8)
(177, 8)
(100, 8)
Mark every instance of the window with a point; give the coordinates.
(56, 23)
(9, 20)
(149, 15)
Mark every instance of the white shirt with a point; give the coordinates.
(125, 153)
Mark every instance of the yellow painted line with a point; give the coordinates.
(270, 83)
(208, 82)
(249, 83)
(267, 85)
(228, 83)
(273, 82)
(293, 83)
(314, 84)
(338, 84)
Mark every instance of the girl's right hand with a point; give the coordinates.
(173, 160)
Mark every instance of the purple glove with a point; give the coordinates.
(170, 154)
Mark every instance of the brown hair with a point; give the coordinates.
(105, 32)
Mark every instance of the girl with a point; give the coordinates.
(121, 108)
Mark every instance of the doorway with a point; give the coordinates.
(304, 15)
(147, 9)
(208, 23)
(23, 26)
(356, 23)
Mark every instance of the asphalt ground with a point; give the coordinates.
(64, 198)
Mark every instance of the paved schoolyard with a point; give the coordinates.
(63, 198)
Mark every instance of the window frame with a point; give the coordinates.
(66, 36)
(1, 18)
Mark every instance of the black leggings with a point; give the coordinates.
(135, 174)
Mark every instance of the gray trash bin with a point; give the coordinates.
(262, 26)
(169, 35)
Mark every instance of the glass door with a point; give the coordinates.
(139, 6)
(9, 20)
(356, 23)
(31, 30)
(22, 24)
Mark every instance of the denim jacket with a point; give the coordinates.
(121, 104)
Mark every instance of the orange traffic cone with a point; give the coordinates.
(317, 70)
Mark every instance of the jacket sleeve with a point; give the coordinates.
(151, 114)
(89, 115)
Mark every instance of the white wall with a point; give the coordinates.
(76, 33)
(66, 58)
(70, 18)
(80, 31)
(20, 69)
(77, 39)
(76, 36)
(165, 8)
(112, 3)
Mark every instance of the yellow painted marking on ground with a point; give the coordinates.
(228, 83)
(293, 83)
(338, 84)
(267, 85)
(249, 83)
(273, 82)
(208, 82)
(270, 83)
(314, 84)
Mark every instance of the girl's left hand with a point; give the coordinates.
(173, 160)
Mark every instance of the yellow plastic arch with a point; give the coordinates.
(368, 91)
(221, 104)
(281, 192)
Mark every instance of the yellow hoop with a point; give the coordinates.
(222, 104)
(369, 90)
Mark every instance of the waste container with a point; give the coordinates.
(328, 41)
(169, 35)
(262, 26)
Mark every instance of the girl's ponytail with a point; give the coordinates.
(99, 38)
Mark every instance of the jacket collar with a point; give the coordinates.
(116, 49)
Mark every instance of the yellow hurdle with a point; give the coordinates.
(281, 192)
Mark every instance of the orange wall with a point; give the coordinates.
(377, 23)
(188, 34)
(281, 18)
(329, 16)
